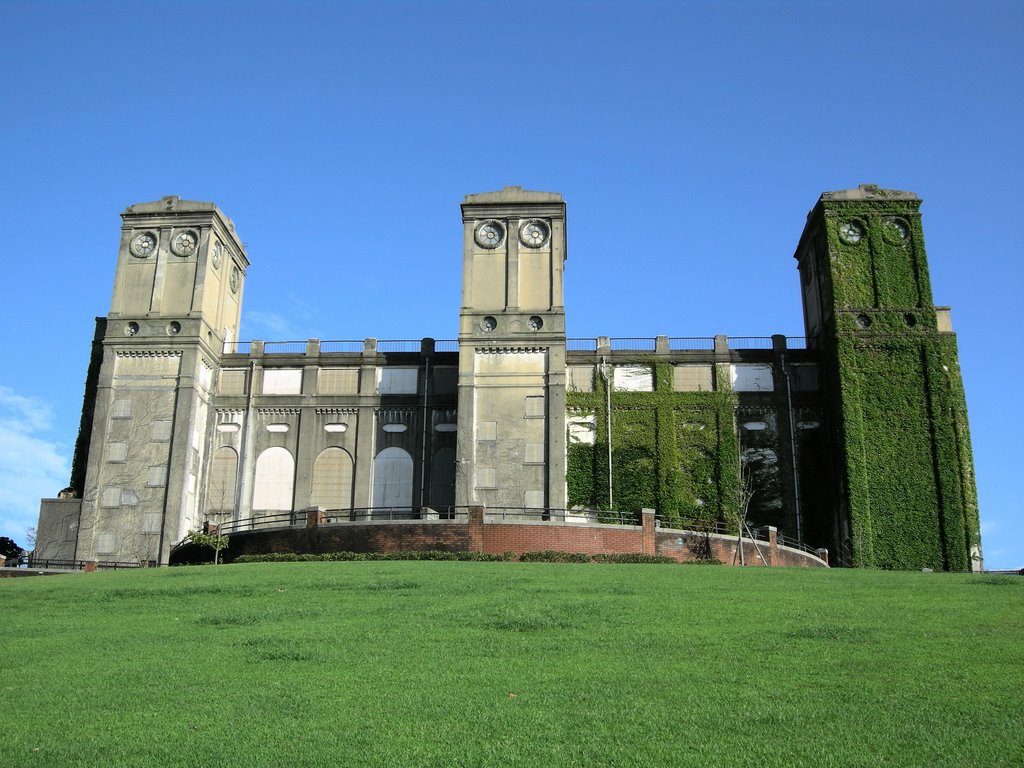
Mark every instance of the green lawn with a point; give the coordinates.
(473, 664)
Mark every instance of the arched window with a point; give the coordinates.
(220, 490)
(392, 478)
(332, 480)
(275, 477)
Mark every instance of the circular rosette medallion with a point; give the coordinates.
(184, 244)
(235, 279)
(489, 234)
(534, 233)
(143, 245)
(851, 232)
(218, 249)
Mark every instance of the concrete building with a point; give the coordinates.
(853, 439)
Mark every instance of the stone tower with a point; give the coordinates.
(903, 478)
(511, 414)
(176, 304)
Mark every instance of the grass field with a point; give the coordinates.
(494, 664)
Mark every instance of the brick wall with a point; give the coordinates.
(476, 534)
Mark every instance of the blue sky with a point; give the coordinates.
(688, 138)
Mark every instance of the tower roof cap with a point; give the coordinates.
(514, 195)
(868, 192)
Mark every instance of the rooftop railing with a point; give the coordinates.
(579, 344)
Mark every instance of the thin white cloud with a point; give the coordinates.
(31, 465)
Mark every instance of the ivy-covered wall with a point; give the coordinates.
(902, 423)
(675, 452)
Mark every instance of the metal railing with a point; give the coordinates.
(581, 345)
(79, 565)
(796, 342)
(750, 342)
(633, 344)
(345, 345)
(699, 525)
(284, 347)
(691, 343)
(237, 347)
(546, 515)
(398, 345)
(446, 345)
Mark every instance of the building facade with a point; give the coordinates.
(853, 439)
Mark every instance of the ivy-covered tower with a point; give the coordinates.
(903, 480)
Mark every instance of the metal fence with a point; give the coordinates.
(346, 345)
(750, 342)
(399, 345)
(79, 565)
(284, 348)
(446, 345)
(691, 343)
(581, 345)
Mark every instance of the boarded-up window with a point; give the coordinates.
(157, 476)
(111, 497)
(582, 429)
(232, 381)
(220, 491)
(446, 380)
(692, 378)
(332, 480)
(338, 381)
(535, 407)
(534, 453)
(486, 477)
(398, 381)
(161, 430)
(752, 377)
(534, 500)
(633, 378)
(579, 378)
(392, 478)
(805, 377)
(151, 523)
(282, 381)
(122, 409)
(117, 452)
(106, 544)
(275, 475)
(487, 430)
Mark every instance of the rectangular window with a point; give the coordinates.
(446, 380)
(579, 378)
(534, 453)
(752, 377)
(486, 477)
(157, 477)
(106, 544)
(117, 452)
(633, 378)
(692, 378)
(232, 381)
(338, 381)
(122, 409)
(282, 381)
(151, 523)
(487, 430)
(535, 407)
(111, 497)
(805, 377)
(398, 381)
(161, 430)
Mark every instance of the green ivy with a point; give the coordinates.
(909, 471)
(675, 452)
